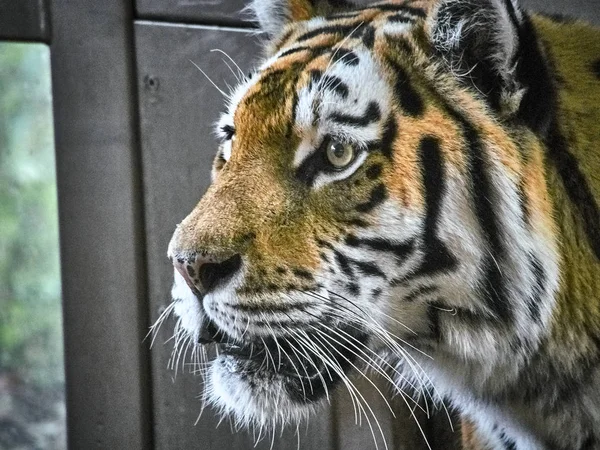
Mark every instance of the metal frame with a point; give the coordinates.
(24, 20)
(101, 225)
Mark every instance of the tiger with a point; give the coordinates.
(408, 187)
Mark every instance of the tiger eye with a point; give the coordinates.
(339, 154)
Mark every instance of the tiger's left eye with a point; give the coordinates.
(339, 154)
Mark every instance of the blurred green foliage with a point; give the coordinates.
(30, 298)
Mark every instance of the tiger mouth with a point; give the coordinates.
(308, 369)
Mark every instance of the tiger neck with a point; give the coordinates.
(573, 165)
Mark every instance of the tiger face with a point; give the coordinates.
(350, 225)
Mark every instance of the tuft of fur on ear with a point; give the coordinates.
(273, 15)
(479, 42)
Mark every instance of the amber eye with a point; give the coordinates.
(339, 154)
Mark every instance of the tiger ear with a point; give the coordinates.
(479, 42)
(274, 15)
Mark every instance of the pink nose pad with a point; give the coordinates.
(203, 273)
(189, 271)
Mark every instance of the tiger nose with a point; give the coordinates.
(204, 273)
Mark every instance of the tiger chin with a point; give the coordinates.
(408, 187)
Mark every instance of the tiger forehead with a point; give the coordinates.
(268, 105)
(272, 99)
(358, 24)
(308, 53)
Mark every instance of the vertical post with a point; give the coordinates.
(101, 225)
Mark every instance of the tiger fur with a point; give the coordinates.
(457, 252)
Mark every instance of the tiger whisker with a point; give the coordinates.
(210, 80)
(335, 341)
(324, 345)
(377, 366)
(383, 334)
(313, 348)
(155, 328)
(240, 73)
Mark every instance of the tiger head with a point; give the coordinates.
(377, 194)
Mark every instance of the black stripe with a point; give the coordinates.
(292, 123)
(228, 131)
(291, 51)
(415, 294)
(399, 44)
(356, 222)
(507, 442)
(372, 114)
(344, 15)
(268, 307)
(270, 82)
(337, 4)
(374, 171)
(433, 315)
(535, 301)
(283, 39)
(336, 85)
(310, 168)
(330, 29)
(378, 196)
(539, 103)
(400, 18)
(576, 185)
(368, 268)
(283, 324)
(596, 68)
(302, 273)
(315, 76)
(409, 99)
(368, 36)
(400, 250)
(324, 257)
(346, 56)
(494, 287)
(343, 263)
(386, 144)
(321, 243)
(353, 288)
(437, 257)
(417, 12)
